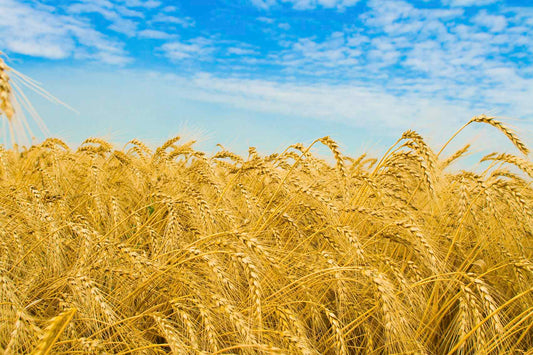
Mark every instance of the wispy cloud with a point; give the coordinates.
(266, 19)
(124, 26)
(494, 23)
(263, 4)
(240, 51)
(169, 19)
(306, 4)
(198, 49)
(109, 10)
(124, 19)
(335, 51)
(148, 4)
(154, 34)
(36, 30)
(466, 3)
(359, 104)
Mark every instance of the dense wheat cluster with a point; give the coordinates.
(141, 251)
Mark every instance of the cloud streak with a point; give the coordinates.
(306, 4)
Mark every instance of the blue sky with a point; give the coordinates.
(272, 72)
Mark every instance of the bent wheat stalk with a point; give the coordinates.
(53, 331)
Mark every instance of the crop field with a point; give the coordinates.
(132, 250)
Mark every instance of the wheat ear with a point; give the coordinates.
(53, 331)
(5, 91)
(505, 130)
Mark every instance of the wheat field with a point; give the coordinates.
(138, 251)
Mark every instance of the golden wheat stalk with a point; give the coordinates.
(504, 129)
(53, 331)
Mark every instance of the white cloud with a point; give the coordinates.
(168, 19)
(169, 8)
(333, 52)
(466, 3)
(313, 4)
(241, 51)
(124, 26)
(154, 34)
(270, 21)
(47, 47)
(123, 19)
(148, 4)
(103, 8)
(495, 23)
(109, 58)
(306, 4)
(198, 49)
(264, 4)
(38, 31)
(266, 20)
(401, 18)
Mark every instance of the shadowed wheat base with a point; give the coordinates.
(141, 251)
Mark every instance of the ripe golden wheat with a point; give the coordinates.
(170, 250)
(5, 91)
(141, 251)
